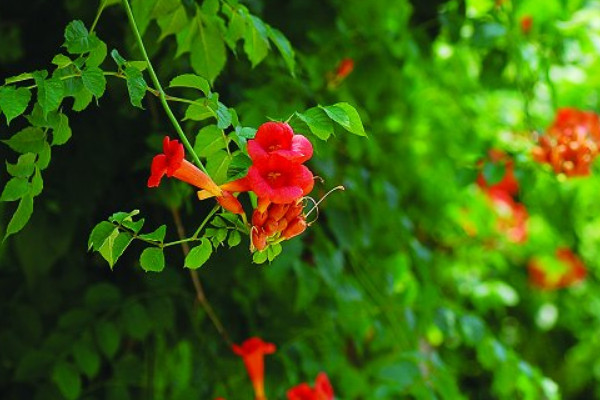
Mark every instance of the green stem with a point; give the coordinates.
(98, 14)
(206, 219)
(157, 85)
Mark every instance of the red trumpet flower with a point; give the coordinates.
(550, 276)
(279, 138)
(322, 391)
(252, 352)
(173, 164)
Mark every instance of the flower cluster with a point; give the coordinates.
(321, 391)
(571, 143)
(556, 275)
(512, 215)
(277, 176)
(280, 180)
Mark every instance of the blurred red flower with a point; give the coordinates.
(570, 144)
(570, 271)
(322, 390)
(508, 183)
(512, 216)
(252, 352)
(344, 68)
(526, 24)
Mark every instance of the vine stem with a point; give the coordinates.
(200, 295)
(162, 96)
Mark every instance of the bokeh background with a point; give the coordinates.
(416, 282)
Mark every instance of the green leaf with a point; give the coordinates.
(77, 38)
(62, 131)
(173, 22)
(114, 246)
(86, 358)
(209, 140)
(29, 140)
(15, 189)
(238, 167)
(61, 61)
(199, 255)
(208, 48)
(234, 239)
(256, 43)
(347, 116)
(284, 47)
(158, 235)
(66, 377)
(217, 165)
(100, 234)
(108, 338)
(44, 156)
(24, 166)
(191, 81)
(142, 11)
(136, 85)
(119, 60)
(122, 216)
(94, 80)
(14, 102)
(198, 112)
(236, 29)
(37, 183)
(210, 7)
(152, 259)
(83, 98)
(25, 76)
(273, 251)
(223, 116)
(21, 216)
(318, 122)
(97, 55)
(162, 7)
(50, 92)
(259, 257)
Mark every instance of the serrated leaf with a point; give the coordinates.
(97, 55)
(94, 81)
(347, 116)
(119, 60)
(50, 92)
(191, 81)
(238, 167)
(13, 102)
(37, 183)
(172, 22)
(136, 85)
(285, 48)
(141, 65)
(43, 159)
(86, 358)
(62, 131)
(15, 189)
(66, 377)
(223, 116)
(256, 43)
(234, 239)
(318, 122)
(108, 338)
(21, 215)
(158, 235)
(208, 48)
(114, 246)
(25, 76)
(235, 29)
(28, 140)
(152, 259)
(77, 38)
(217, 165)
(100, 234)
(199, 255)
(83, 98)
(24, 166)
(209, 140)
(61, 61)
(121, 216)
(198, 112)
(259, 257)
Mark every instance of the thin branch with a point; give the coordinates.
(196, 279)
(158, 87)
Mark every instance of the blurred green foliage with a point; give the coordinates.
(390, 292)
